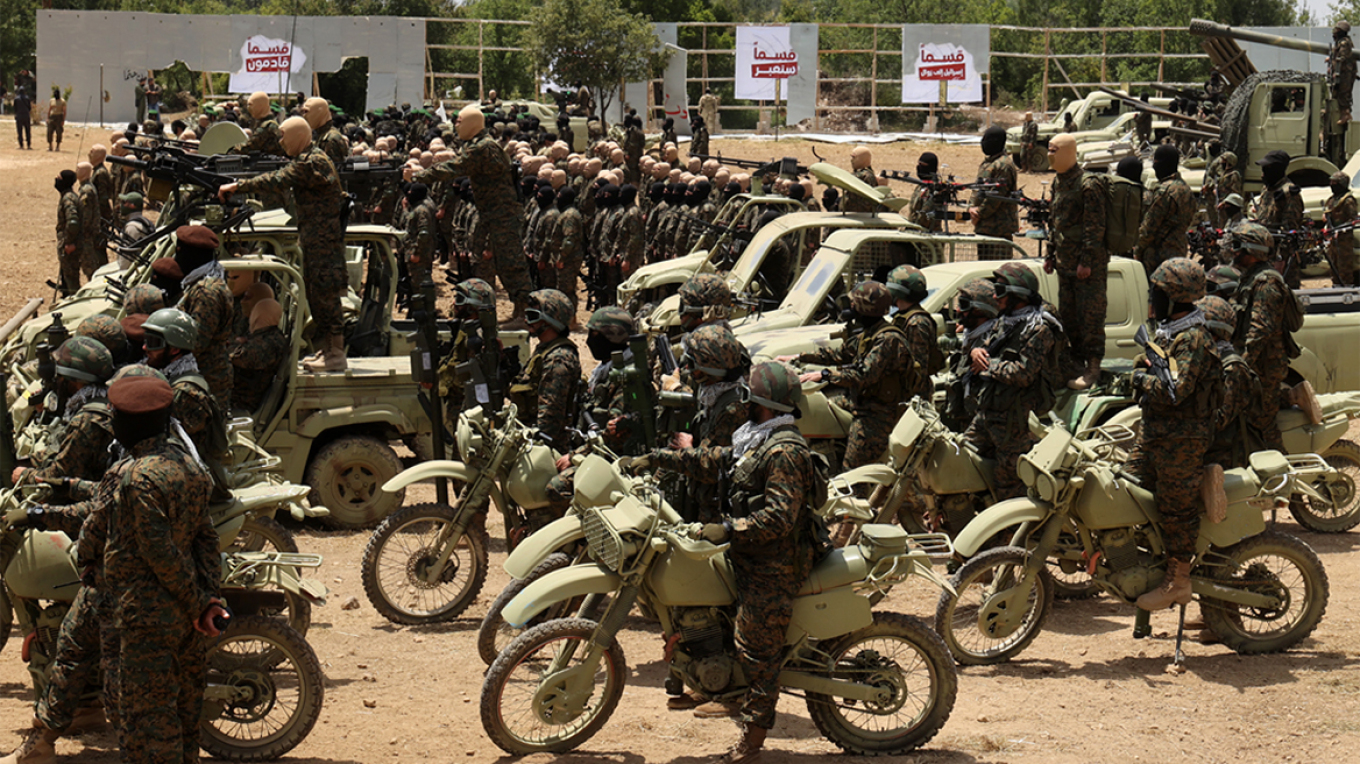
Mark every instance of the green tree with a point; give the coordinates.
(594, 42)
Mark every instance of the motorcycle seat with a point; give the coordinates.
(1268, 464)
(840, 567)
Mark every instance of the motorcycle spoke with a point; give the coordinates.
(403, 568)
(526, 702)
(892, 664)
(267, 689)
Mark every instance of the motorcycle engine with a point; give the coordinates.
(704, 653)
(958, 509)
(1128, 566)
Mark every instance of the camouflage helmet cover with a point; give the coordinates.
(613, 322)
(1339, 178)
(107, 331)
(907, 282)
(143, 298)
(1181, 278)
(552, 306)
(1253, 238)
(1342, 27)
(705, 290)
(713, 349)
(136, 370)
(474, 292)
(1219, 316)
(870, 298)
(775, 386)
(179, 329)
(1016, 278)
(85, 359)
(979, 295)
(1227, 160)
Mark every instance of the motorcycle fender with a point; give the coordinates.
(994, 519)
(43, 567)
(880, 474)
(429, 471)
(557, 586)
(829, 614)
(544, 541)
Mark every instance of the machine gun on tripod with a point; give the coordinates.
(787, 167)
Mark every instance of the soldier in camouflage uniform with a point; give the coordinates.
(1029, 143)
(875, 367)
(993, 217)
(108, 332)
(568, 247)
(92, 253)
(317, 112)
(907, 285)
(977, 313)
(1279, 207)
(170, 338)
(1235, 434)
(70, 232)
(499, 217)
(1168, 213)
(144, 299)
(316, 190)
(103, 181)
(469, 298)
(628, 242)
(422, 228)
(1010, 375)
(267, 136)
(1178, 422)
(775, 534)
(544, 235)
(83, 366)
(545, 392)
(257, 355)
(1260, 333)
(923, 208)
(861, 164)
(1079, 256)
(208, 300)
(1340, 209)
(162, 568)
(1341, 69)
(1228, 182)
(634, 142)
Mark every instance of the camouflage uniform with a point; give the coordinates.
(1279, 208)
(698, 142)
(209, 302)
(318, 195)
(857, 203)
(194, 405)
(334, 143)
(995, 217)
(421, 229)
(104, 185)
(1166, 218)
(256, 360)
(162, 568)
(499, 218)
(1261, 336)
(1235, 435)
(1029, 144)
(266, 138)
(85, 437)
(91, 251)
(70, 230)
(568, 253)
(1340, 210)
(1341, 65)
(923, 208)
(628, 241)
(1229, 180)
(545, 392)
(923, 345)
(1078, 232)
(1142, 125)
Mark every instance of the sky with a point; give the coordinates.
(1318, 8)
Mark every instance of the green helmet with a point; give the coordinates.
(1181, 278)
(107, 331)
(475, 293)
(870, 298)
(549, 306)
(1017, 279)
(179, 329)
(907, 282)
(613, 322)
(136, 370)
(713, 349)
(143, 298)
(1252, 238)
(979, 295)
(704, 290)
(1225, 280)
(775, 386)
(1219, 316)
(85, 359)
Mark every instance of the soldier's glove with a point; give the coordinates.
(641, 464)
(1140, 381)
(34, 517)
(716, 533)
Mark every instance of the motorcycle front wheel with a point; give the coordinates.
(973, 622)
(495, 634)
(535, 701)
(265, 690)
(399, 557)
(898, 653)
(1272, 563)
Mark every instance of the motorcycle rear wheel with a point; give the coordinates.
(279, 679)
(1327, 516)
(966, 618)
(1277, 563)
(515, 700)
(899, 652)
(398, 554)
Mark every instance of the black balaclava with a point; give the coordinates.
(1273, 167)
(1161, 303)
(566, 198)
(627, 195)
(1165, 161)
(131, 429)
(731, 189)
(767, 217)
(675, 194)
(545, 196)
(797, 192)
(608, 196)
(416, 193)
(669, 123)
(1338, 188)
(702, 190)
(927, 166)
(993, 141)
(830, 198)
(601, 349)
(657, 191)
(692, 197)
(65, 181)
(527, 186)
(1130, 168)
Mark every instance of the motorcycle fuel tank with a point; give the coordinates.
(44, 567)
(952, 470)
(527, 482)
(682, 581)
(1110, 501)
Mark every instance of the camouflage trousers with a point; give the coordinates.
(77, 662)
(994, 251)
(503, 238)
(1343, 95)
(1342, 255)
(1271, 370)
(1081, 308)
(327, 281)
(70, 270)
(217, 371)
(560, 490)
(867, 439)
(56, 126)
(1004, 436)
(1172, 468)
(566, 280)
(766, 587)
(93, 256)
(163, 668)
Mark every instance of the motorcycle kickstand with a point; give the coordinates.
(1179, 660)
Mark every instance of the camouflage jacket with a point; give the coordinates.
(103, 183)
(1166, 218)
(1020, 350)
(569, 240)
(318, 195)
(531, 228)
(1199, 388)
(1241, 392)
(609, 230)
(86, 435)
(876, 365)
(634, 142)
(628, 241)
(1078, 226)
(334, 143)
(923, 344)
(995, 217)
(70, 226)
(89, 214)
(210, 303)
(160, 543)
(546, 236)
(853, 202)
(1260, 316)
(1340, 210)
(545, 392)
(266, 138)
(421, 229)
(698, 143)
(193, 405)
(1029, 133)
(1279, 208)
(256, 359)
(484, 162)
(1227, 182)
(1343, 71)
(922, 209)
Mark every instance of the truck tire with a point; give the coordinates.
(346, 477)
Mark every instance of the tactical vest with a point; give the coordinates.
(524, 390)
(1238, 436)
(1290, 322)
(935, 364)
(746, 496)
(708, 418)
(1000, 397)
(213, 443)
(1206, 399)
(890, 389)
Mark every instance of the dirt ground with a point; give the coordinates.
(1084, 691)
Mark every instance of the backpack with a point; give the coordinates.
(215, 440)
(1123, 212)
(935, 364)
(1292, 320)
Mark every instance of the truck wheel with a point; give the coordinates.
(346, 477)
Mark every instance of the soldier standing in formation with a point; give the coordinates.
(92, 252)
(698, 142)
(922, 210)
(1080, 258)
(708, 109)
(907, 284)
(568, 246)
(545, 392)
(1341, 68)
(103, 181)
(1168, 214)
(993, 217)
(208, 300)
(267, 136)
(321, 232)
(70, 232)
(1340, 209)
(421, 230)
(317, 112)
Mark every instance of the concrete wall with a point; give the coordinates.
(72, 45)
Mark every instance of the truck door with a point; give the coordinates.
(1100, 113)
(1282, 112)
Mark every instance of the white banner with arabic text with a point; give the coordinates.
(764, 55)
(268, 64)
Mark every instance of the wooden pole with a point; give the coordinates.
(1161, 59)
(481, 60)
(1047, 52)
(873, 81)
(1104, 60)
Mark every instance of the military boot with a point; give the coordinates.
(1212, 494)
(718, 709)
(748, 748)
(1175, 588)
(39, 747)
(516, 322)
(1089, 377)
(332, 356)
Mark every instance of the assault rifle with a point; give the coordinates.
(363, 179)
(173, 166)
(1038, 212)
(1332, 231)
(1159, 362)
(787, 167)
(1297, 248)
(945, 193)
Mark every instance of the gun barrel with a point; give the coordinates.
(140, 164)
(1205, 28)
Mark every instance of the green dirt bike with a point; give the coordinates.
(426, 563)
(1259, 590)
(265, 685)
(875, 683)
